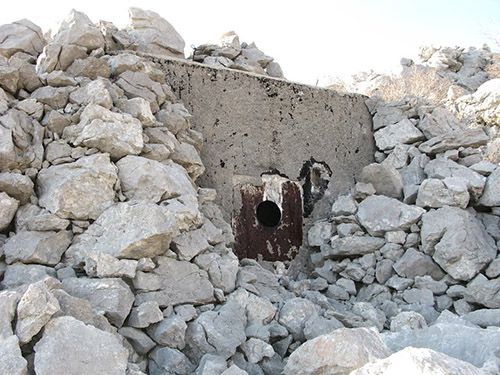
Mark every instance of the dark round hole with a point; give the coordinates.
(268, 214)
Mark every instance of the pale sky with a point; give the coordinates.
(311, 40)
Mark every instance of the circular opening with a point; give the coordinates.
(268, 214)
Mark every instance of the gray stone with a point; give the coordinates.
(139, 85)
(217, 332)
(35, 308)
(450, 191)
(141, 342)
(187, 245)
(130, 230)
(95, 92)
(415, 263)
(385, 179)
(188, 156)
(78, 308)
(321, 355)
(319, 325)
(17, 186)
(211, 365)
(402, 132)
(457, 241)
(407, 320)
(372, 317)
(37, 247)
(379, 214)
(8, 303)
(11, 359)
(491, 191)
(90, 67)
(484, 317)
(419, 296)
(144, 315)
(261, 282)
(454, 140)
(398, 237)
(169, 332)
(294, 314)
(484, 168)
(438, 122)
(483, 291)
(344, 205)
(138, 108)
(8, 208)
(33, 218)
(234, 370)
(101, 265)
(441, 168)
(493, 269)
(19, 274)
(419, 362)
(427, 282)
(319, 233)
(79, 190)
(68, 344)
(256, 308)
(173, 283)
(112, 296)
(399, 283)
(21, 36)
(58, 78)
(222, 269)
(256, 350)
(55, 97)
(351, 246)
(387, 114)
(167, 361)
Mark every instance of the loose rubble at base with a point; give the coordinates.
(113, 261)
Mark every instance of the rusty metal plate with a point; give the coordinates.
(257, 237)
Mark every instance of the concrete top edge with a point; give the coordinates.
(235, 71)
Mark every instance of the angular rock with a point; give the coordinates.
(11, 359)
(90, 67)
(139, 85)
(474, 137)
(78, 308)
(419, 296)
(256, 350)
(319, 233)
(211, 365)
(19, 274)
(21, 36)
(457, 242)
(37, 247)
(95, 92)
(188, 156)
(187, 245)
(385, 179)
(35, 308)
(439, 122)
(379, 214)
(8, 304)
(111, 296)
(167, 361)
(344, 205)
(321, 355)
(149, 180)
(138, 108)
(351, 246)
(169, 332)
(68, 344)
(8, 208)
(102, 265)
(145, 314)
(417, 361)
(407, 320)
(222, 269)
(450, 191)
(257, 308)
(55, 97)
(295, 313)
(127, 230)
(217, 332)
(414, 263)
(80, 190)
(402, 132)
(483, 291)
(33, 218)
(173, 283)
(141, 342)
(484, 317)
(491, 193)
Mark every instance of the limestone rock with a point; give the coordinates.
(450, 191)
(148, 180)
(78, 308)
(187, 245)
(385, 179)
(211, 365)
(187, 155)
(145, 314)
(139, 85)
(483, 291)
(322, 355)
(379, 214)
(19, 274)
(217, 332)
(37, 247)
(467, 138)
(141, 342)
(167, 361)
(11, 359)
(80, 190)
(457, 241)
(154, 34)
(95, 92)
(21, 36)
(222, 269)
(256, 350)
(90, 67)
(101, 265)
(35, 308)
(491, 193)
(169, 332)
(295, 313)
(319, 325)
(127, 230)
(55, 97)
(414, 263)
(8, 303)
(410, 320)
(351, 246)
(319, 233)
(68, 345)
(173, 283)
(33, 218)
(8, 208)
(484, 317)
(111, 296)
(257, 308)
(417, 361)
(438, 122)
(482, 105)
(402, 132)
(138, 108)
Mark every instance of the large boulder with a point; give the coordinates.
(11, 359)
(385, 179)
(379, 214)
(337, 353)
(457, 241)
(483, 105)
(81, 190)
(474, 137)
(17, 185)
(21, 36)
(402, 132)
(491, 193)
(131, 230)
(294, 314)
(70, 347)
(450, 191)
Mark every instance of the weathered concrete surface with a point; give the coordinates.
(252, 124)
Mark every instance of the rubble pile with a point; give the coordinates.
(113, 261)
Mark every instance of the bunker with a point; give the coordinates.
(314, 141)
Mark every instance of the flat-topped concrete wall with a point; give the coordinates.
(253, 124)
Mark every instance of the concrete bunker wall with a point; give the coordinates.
(254, 124)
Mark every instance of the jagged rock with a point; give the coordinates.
(186, 211)
(139, 85)
(55, 97)
(173, 283)
(101, 265)
(491, 193)
(167, 361)
(19, 274)
(174, 116)
(187, 155)
(9, 78)
(483, 291)
(37, 247)
(21, 36)
(222, 269)
(112, 296)
(385, 179)
(58, 78)
(95, 92)
(90, 67)
(484, 317)
(379, 214)
(33, 218)
(169, 332)
(211, 365)
(482, 106)
(442, 168)
(8, 208)
(149, 180)
(319, 325)
(8, 303)
(407, 320)
(419, 296)
(453, 338)
(454, 140)
(294, 314)
(145, 314)
(450, 191)
(217, 332)
(234, 370)
(414, 263)
(130, 230)
(138, 108)
(417, 361)
(141, 342)
(256, 350)
(319, 233)
(438, 122)
(427, 282)
(11, 359)
(457, 242)
(321, 355)
(402, 132)
(351, 246)
(35, 308)
(71, 347)
(256, 308)
(78, 308)
(115, 133)
(273, 69)
(80, 190)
